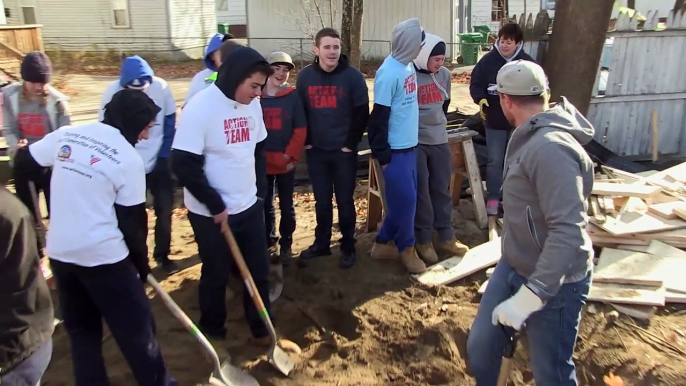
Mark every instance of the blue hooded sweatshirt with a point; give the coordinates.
(212, 46)
(136, 73)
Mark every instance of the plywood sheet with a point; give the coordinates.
(629, 267)
(626, 294)
(633, 222)
(456, 268)
(666, 209)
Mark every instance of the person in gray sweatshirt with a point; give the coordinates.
(544, 275)
(31, 110)
(434, 202)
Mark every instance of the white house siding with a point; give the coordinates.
(481, 11)
(234, 14)
(517, 7)
(281, 24)
(14, 17)
(192, 23)
(643, 6)
(86, 25)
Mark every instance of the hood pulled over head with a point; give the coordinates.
(432, 43)
(212, 46)
(564, 116)
(236, 69)
(135, 73)
(130, 111)
(408, 38)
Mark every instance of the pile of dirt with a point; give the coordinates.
(372, 325)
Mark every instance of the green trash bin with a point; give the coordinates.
(484, 30)
(223, 28)
(469, 47)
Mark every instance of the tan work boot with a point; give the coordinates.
(450, 248)
(427, 253)
(384, 251)
(411, 261)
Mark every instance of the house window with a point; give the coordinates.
(120, 14)
(498, 9)
(221, 5)
(29, 14)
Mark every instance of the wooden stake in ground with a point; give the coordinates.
(578, 36)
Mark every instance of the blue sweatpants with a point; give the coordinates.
(400, 176)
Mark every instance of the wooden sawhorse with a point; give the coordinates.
(464, 164)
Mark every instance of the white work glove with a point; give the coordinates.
(514, 311)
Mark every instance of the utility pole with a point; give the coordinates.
(576, 44)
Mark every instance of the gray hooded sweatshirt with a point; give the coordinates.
(434, 89)
(548, 178)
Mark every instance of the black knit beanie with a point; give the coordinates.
(439, 49)
(130, 111)
(36, 68)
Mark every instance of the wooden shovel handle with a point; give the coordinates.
(245, 272)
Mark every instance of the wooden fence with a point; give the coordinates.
(645, 77)
(15, 42)
(536, 33)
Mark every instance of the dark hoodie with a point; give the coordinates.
(483, 76)
(188, 167)
(284, 117)
(129, 111)
(26, 311)
(336, 104)
(548, 179)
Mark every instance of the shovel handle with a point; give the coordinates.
(247, 278)
(184, 319)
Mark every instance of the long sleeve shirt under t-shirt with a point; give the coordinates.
(330, 100)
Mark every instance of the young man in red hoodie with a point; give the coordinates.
(284, 117)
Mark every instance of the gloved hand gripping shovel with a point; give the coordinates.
(508, 353)
(277, 357)
(223, 374)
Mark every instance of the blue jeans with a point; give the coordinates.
(496, 144)
(30, 371)
(551, 332)
(400, 177)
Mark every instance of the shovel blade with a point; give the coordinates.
(275, 281)
(279, 359)
(229, 375)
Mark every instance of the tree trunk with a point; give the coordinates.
(576, 45)
(356, 35)
(346, 26)
(631, 4)
(678, 4)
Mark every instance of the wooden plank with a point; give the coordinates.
(624, 190)
(489, 272)
(666, 209)
(629, 267)
(639, 312)
(456, 268)
(675, 298)
(482, 288)
(633, 223)
(671, 263)
(475, 182)
(626, 294)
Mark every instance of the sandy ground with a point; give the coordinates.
(370, 325)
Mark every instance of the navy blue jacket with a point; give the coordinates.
(483, 76)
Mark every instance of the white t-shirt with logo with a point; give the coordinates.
(225, 132)
(160, 92)
(94, 167)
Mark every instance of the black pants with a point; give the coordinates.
(159, 182)
(218, 263)
(333, 172)
(283, 185)
(113, 292)
(30, 199)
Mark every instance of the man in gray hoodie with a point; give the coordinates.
(544, 275)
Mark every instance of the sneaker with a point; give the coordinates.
(170, 267)
(347, 259)
(286, 256)
(314, 251)
(492, 207)
(384, 250)
(450, 248)
(427, 253)
(411, 261)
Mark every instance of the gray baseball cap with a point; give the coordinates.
(521, 77)
(280, 57)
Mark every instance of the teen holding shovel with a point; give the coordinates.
(218, 156)
(98, 232)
